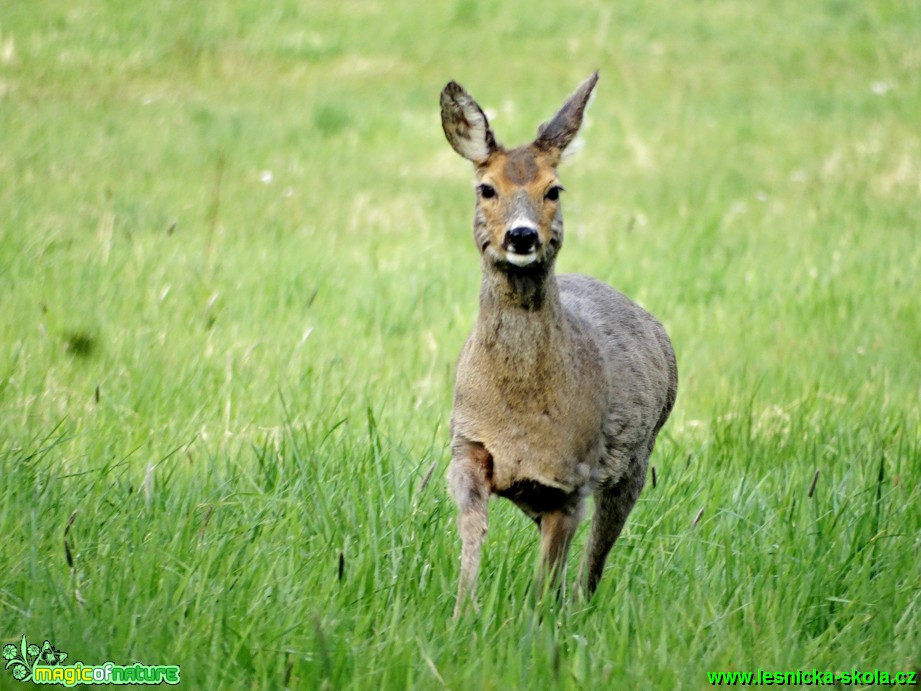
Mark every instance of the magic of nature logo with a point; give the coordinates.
(44, 665)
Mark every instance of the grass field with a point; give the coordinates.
(236, 269)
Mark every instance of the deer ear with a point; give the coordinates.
(465, 125)
(558, 134)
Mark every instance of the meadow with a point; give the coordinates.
(236, 269)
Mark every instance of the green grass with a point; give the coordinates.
(236, 269)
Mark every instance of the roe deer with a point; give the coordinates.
(564, 383)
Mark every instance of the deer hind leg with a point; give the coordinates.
(469, 479)
(613, 503)
(556, 532)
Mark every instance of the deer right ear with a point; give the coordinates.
(465, 125)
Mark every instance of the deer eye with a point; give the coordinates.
(553, 194)
(487, 191)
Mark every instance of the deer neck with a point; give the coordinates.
(521, 324)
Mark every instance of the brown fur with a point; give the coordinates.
(564, 383)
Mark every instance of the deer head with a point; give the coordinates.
(518, 220)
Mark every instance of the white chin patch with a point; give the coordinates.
(521, 259)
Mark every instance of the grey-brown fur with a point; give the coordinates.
(564, 383)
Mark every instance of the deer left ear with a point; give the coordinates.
(558, 134)
(465, 125)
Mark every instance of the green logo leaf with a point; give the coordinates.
(22, 659)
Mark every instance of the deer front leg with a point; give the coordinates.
(557, 529)
(469, 478)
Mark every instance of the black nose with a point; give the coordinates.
(521, 240)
